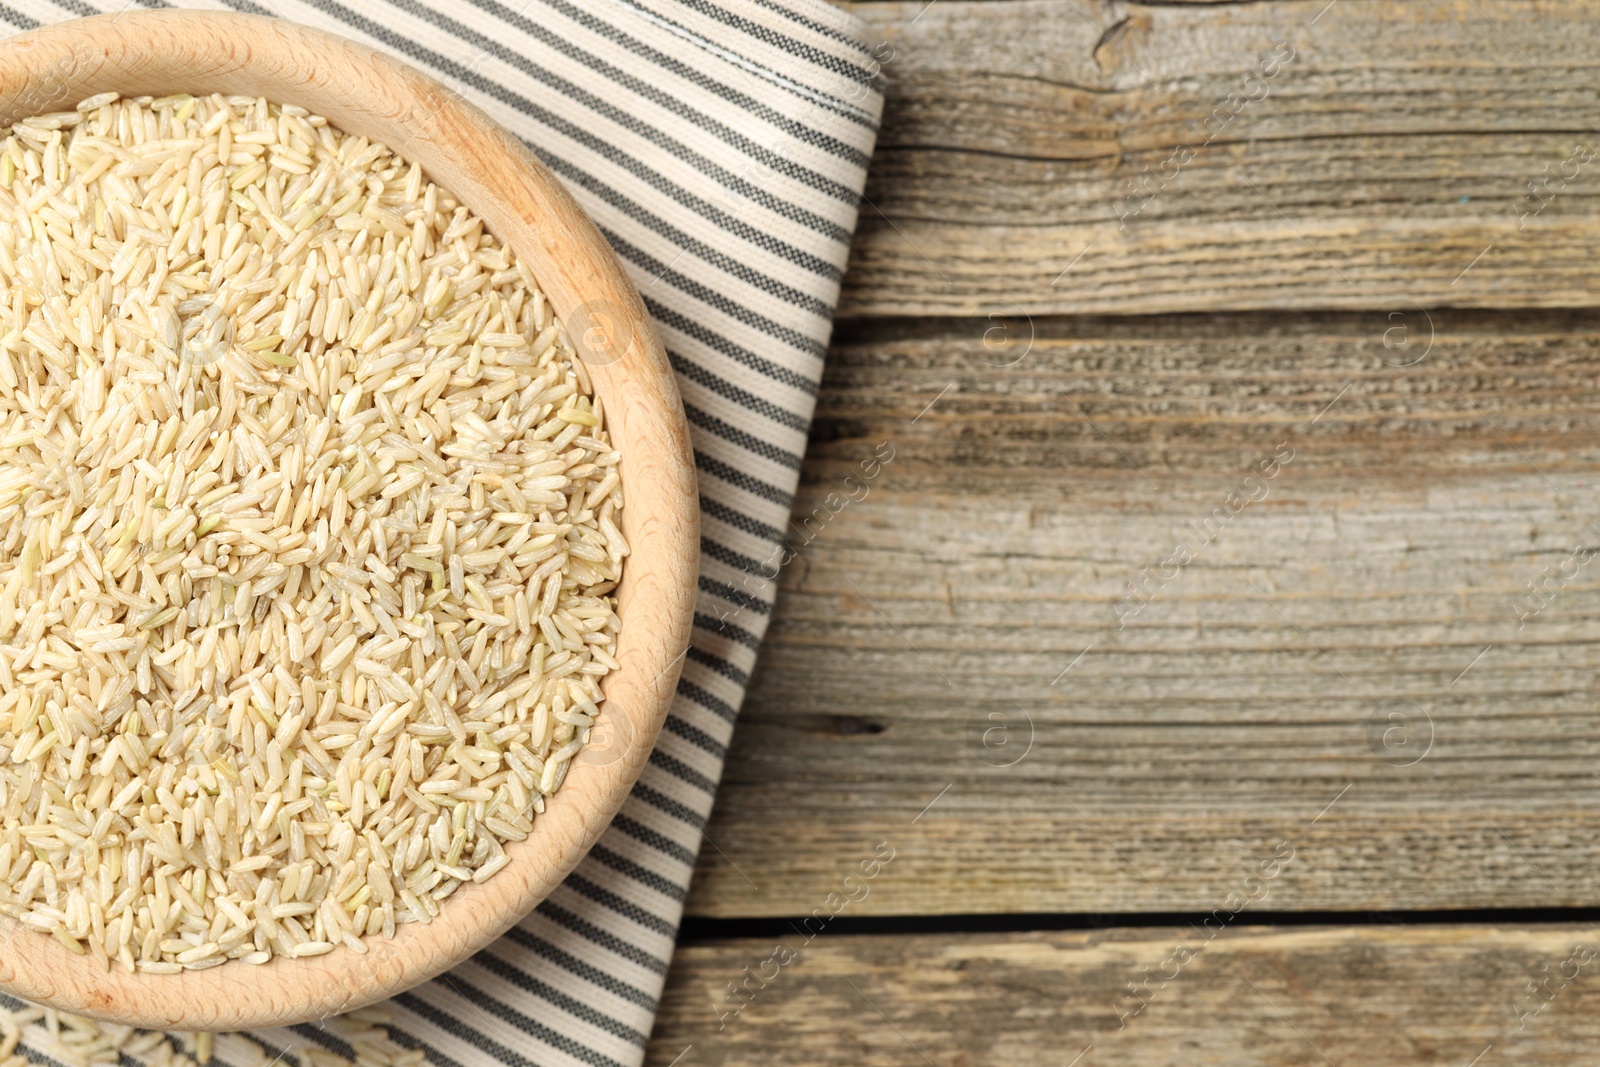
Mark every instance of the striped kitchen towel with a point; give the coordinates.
(722, 147)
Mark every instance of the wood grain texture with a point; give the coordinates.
(1327, 643)
(1251, 997)
(1345, 660)
(367, 93)
(1393, 149)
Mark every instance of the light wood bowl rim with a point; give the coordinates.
(366, 92)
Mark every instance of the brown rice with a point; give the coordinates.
(308, 530)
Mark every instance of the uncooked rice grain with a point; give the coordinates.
(74, 1041)
(308, 531)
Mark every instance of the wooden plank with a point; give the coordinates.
(1250, 996)
(1393, 148)
(1353, 634)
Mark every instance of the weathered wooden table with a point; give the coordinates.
(1218, 653)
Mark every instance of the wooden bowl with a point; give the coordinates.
(364, 92)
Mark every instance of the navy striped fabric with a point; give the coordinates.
(722, 147)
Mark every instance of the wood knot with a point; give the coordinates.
(1116, 44)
